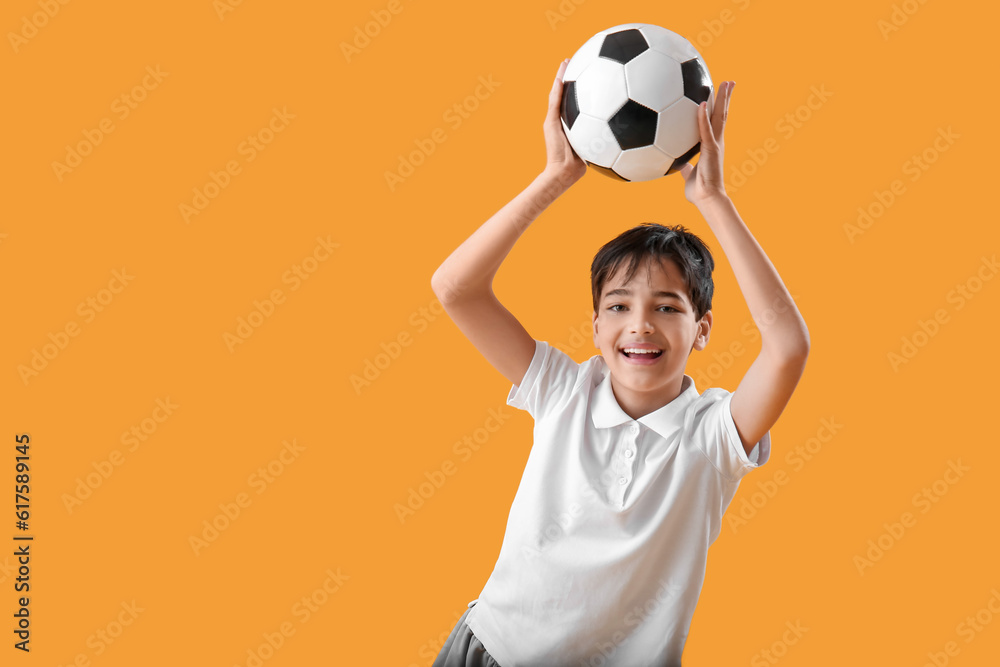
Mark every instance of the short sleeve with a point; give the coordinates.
(714, 431)
(547, 383)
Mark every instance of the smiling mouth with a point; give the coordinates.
(641, 356)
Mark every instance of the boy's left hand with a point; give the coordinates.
(704, 182)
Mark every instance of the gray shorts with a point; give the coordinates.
(463, 649)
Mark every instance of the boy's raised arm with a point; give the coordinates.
(464, 281)
(768, 384)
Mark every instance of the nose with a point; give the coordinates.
(640, 324)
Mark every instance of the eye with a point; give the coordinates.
(618, 305)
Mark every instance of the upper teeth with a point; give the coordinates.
(636, 350)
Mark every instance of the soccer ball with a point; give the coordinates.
(630, 101)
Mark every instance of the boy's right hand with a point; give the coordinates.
(562, 161)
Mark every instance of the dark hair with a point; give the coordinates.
(659, 242)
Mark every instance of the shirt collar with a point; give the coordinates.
(606, 412)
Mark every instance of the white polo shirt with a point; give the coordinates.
(604, 554)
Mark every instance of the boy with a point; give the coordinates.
(631, 468)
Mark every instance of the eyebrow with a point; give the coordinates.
(621, 291)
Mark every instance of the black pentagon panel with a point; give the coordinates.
(623, 46)
(684, 159)
(570, 105)
(697, 85)
(608, 172)
(634, 125)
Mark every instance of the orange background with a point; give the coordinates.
(322, 176)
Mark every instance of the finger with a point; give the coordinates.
(729, 96)
(721, 109)
(555, 94)
(705, 126)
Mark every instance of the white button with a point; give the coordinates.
(635, 428)
(628, 453)
(622, 480)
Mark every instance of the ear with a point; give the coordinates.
(595, 331)
(704, 331)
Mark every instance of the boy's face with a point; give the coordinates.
(657, 311)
